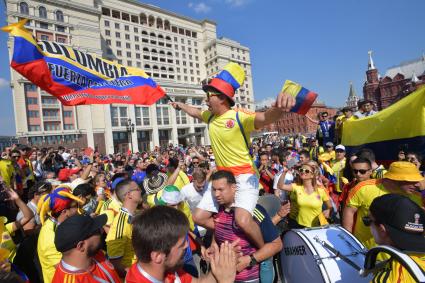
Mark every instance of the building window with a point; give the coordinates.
(67, 113)
(61, 40)
(119, 116)
(142, 116)
(128, 54)
(59, 16)
(118, 43)
(117, 25)
(119, 53)
(136, 30)
(44, 37)
(127, 36)
(23, 8)
(60, 28)
(162, 115)
(108, 32)
(33, 113)
(42, 12)
(32, 100)
(126, 28)
(106, 23)
(44, 25)
(118, 35)
(68, 126)
(34, 128)
(30, 87)
(128, 45)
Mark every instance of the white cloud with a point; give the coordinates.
(237, 3)
(4, 82)
(200, 7)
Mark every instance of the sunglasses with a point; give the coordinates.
(306, 171)
(16, 156)
(361, 171)
(210, 94)
(326, 116)
(195, 162)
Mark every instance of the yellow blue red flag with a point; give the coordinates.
(399, 126)
(304, 98)
(75, 77)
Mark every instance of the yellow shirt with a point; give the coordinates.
(338, 168)
(394, 272)
(7, 171)
(227, 142)
(7, 241)
(47, 254)
(361, 197)
(118, 240)
(182, 180)
(306, 208)
(111, 207)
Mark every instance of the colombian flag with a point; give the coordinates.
(78, 78)
(304, 98)
(401, 124)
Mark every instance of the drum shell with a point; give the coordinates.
(305, 260)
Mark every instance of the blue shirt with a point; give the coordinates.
(138, 177)
(268, 229)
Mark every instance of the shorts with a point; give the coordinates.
(246, 196)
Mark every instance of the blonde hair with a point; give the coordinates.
(316, 172)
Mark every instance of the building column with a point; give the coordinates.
(132, 116)
(109, 141)
(89, 125)
(173, 119)
(155, 135)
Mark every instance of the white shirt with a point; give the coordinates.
(192, 196)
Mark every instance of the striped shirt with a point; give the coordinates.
(226, 230)
(118, 240)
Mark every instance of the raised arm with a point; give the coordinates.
(284, 102)
(192, 111)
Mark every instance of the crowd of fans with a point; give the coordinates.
(44, 187)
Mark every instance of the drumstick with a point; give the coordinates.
(338, 254)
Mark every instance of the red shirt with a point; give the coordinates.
(137, 275)
(266, 181)
(101, 272)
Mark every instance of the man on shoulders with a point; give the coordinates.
(229, 132)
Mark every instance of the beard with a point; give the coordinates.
(175, 267)
(92, 251)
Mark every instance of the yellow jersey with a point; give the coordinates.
(118, 240)
(182, 180)
(6, 238)
(338, 168)
(111, 207)
(7, 171)
(306, 208)
(394, 272)
(228, 144)
(48, 256)
(361, 197)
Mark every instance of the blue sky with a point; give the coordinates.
(321, 44)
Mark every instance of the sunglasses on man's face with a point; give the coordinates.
(211, 94)
(16, 156)
(359, 171)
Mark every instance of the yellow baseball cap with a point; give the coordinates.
(403, 171)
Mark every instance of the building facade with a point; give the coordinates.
(292, 123)
(177, 52)
(398, 82)
(352, 98)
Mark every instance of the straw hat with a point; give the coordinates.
(403, 171)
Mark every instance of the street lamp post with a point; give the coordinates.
(130, 130)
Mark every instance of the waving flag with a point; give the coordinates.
(400, 125)
(75, 77)
(304, 98)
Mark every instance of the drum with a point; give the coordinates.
(306, 258)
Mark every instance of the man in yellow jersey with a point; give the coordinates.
(112, 206)
(118, 241)
(398, 222)
(402, 178)
(229, 131)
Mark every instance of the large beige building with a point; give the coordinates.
(178, 52)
